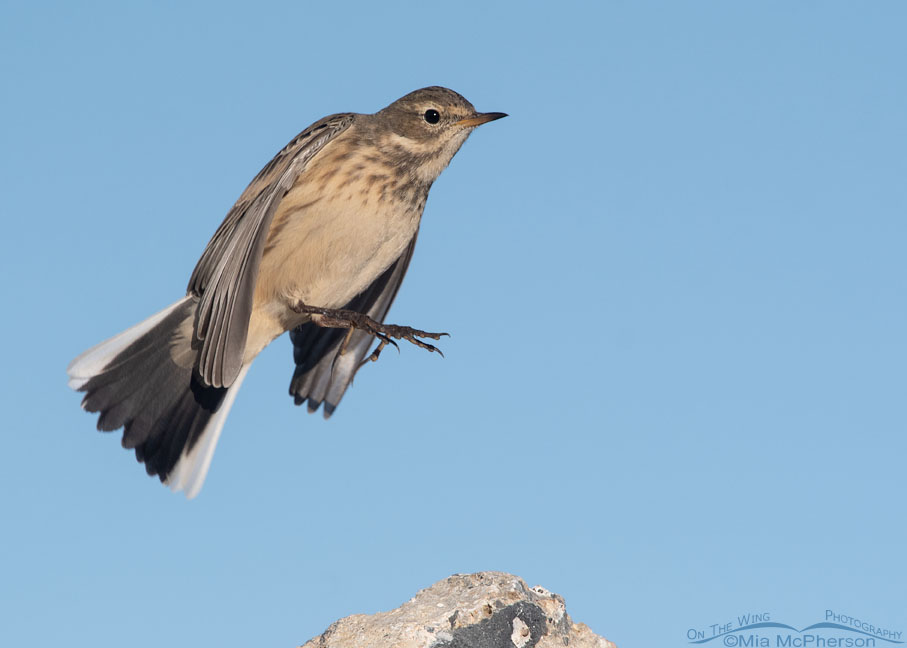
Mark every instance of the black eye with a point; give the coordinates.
(432, 116)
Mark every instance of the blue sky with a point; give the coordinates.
(674, 278)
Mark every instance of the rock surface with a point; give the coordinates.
(484, 610)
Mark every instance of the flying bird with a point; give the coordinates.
(316, 245)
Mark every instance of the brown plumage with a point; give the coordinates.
(320, 238)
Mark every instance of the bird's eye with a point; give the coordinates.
(432, 116)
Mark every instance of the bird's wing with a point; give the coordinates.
(224, 278)
(322, 372)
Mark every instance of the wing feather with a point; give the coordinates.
(225, 276)
(322, 373)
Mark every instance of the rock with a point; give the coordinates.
(484, 610)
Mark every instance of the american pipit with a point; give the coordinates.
(317, 245)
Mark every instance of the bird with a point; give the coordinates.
(316, 245)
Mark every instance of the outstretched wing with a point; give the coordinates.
(322, 373)
(224, 278)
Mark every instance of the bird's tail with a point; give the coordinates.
(143, 381)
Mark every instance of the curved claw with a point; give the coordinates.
(341, 318)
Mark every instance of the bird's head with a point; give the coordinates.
(423, 130)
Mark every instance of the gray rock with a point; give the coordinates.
(484, 610)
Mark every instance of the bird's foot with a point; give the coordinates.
(352, 320)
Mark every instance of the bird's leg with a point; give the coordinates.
(386, 333)
(346, 341)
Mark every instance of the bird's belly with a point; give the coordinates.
(324, 254)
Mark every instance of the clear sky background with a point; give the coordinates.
(674, 278)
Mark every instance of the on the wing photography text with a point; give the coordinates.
(759, 630)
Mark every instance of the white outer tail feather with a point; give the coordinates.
(189, 473)
(190, 470)
(92, 362)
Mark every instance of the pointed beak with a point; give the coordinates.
(479, 118)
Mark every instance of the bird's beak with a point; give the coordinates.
(479, 118)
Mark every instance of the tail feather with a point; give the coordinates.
(169, 418)
(190, 471)
(134, 396)
(99, 357)
(154, 407)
